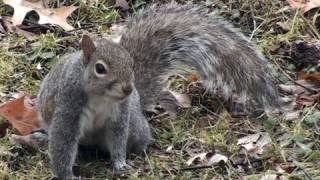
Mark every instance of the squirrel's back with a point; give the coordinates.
(164, 39)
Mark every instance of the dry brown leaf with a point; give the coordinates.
(304, 5)
(21, 113)
(192, 78)
(308, 100)
(7, 22)
(207, 159)
(57, 16)
(183, 99)
(315, 76)
(296, 89)
(255, 143)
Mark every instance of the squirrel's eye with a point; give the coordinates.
(100, 68)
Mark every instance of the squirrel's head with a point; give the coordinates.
(109, 68)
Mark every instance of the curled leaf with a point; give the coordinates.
(304, 5)
(255, 143)
(57, 16)
(207, 159)
(21, 113)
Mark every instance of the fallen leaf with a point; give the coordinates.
(254, 144)
(304, 5)
(291, 88)
(7, 22)
(207, 159)
(57, 16)
(286, 167)
(315, 76)
(216, 159)
(192, 78)
(183, 99)
(308, 100)
(290, 116)
(21, 113)
(248, 139)
(298, 89)
(200, 156)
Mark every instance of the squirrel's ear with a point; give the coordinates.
(87, 46)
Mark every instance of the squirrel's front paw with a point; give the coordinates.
(121, 166)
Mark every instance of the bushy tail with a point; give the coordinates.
(167, 38)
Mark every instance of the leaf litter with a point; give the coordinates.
(207, 159)
(304, 5)
(254, 144)
(22, 114)
(56, 16)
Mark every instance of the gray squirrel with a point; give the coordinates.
(96, 96)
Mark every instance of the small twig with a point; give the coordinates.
(40, 25)
(194, 168)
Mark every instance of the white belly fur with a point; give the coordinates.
(94, 120)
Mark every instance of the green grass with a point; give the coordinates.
(206, 126)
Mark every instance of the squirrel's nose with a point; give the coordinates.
(127, 89)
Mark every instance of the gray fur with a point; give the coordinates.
(169, 38)
(77, 105)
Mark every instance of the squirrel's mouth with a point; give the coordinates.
(119, 97)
